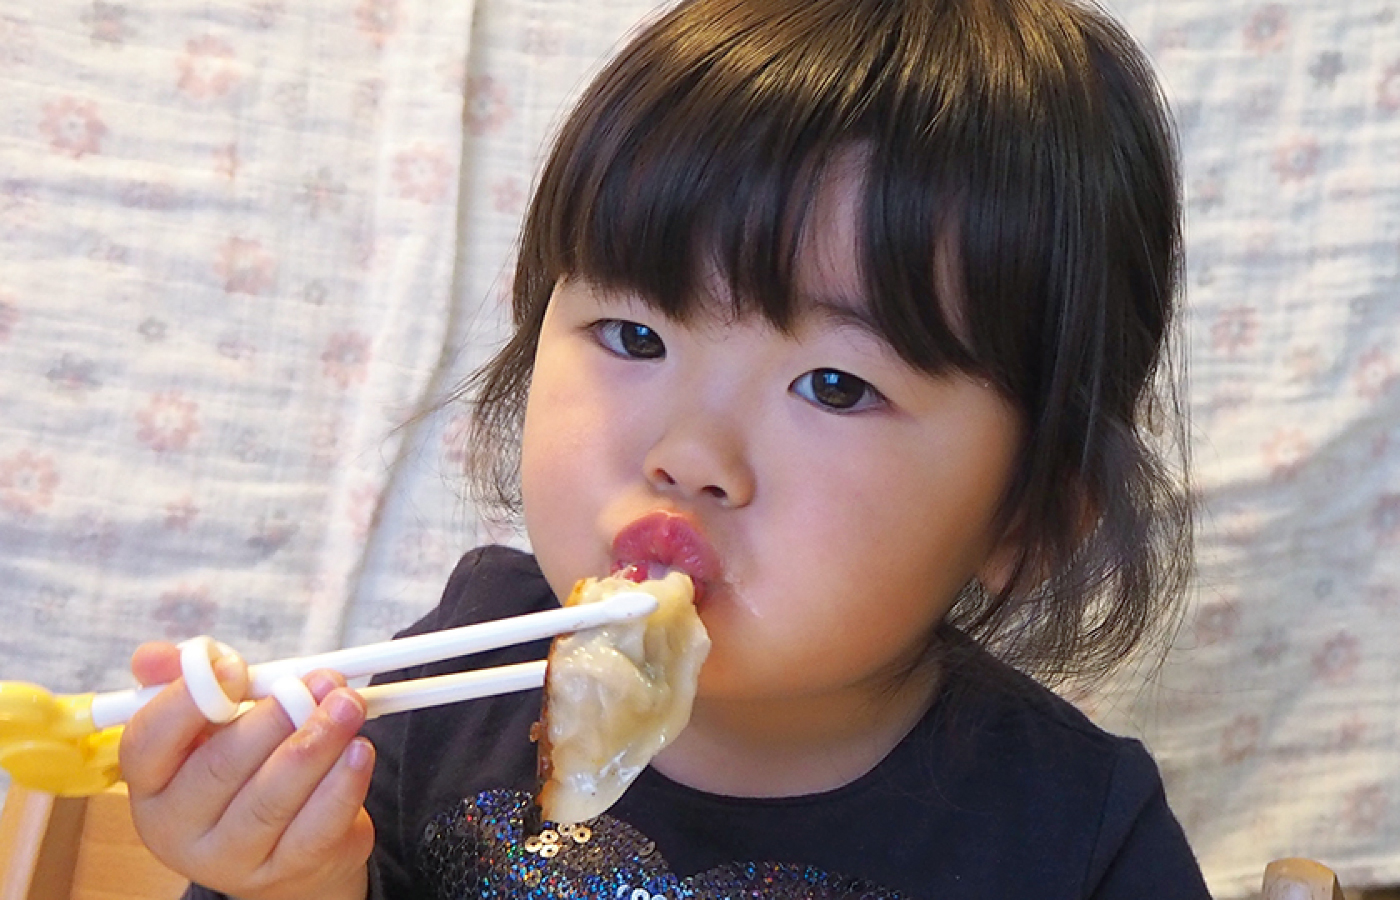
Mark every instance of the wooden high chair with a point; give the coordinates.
(83, 848)
(1300, 879)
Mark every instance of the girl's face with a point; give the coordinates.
(829, 500)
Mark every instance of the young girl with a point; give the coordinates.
(853, 311)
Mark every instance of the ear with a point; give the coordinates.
(1001, 562)
(1013, 552)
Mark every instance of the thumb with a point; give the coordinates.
(156, 662)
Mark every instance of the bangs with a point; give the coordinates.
(997, 211)
(707, 148)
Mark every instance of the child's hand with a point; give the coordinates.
(253, 809)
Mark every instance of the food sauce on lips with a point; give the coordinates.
(662, 541)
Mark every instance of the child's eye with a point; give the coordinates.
(836, 390)
(631, 340)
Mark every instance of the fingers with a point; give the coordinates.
(255, 802)
(333, 821)
(277, 790)
(156, 662)
(206, 781)
(158, 739)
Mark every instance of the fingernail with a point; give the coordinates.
(358, 754)
(343, 707)
(320, 684)
(228, 669)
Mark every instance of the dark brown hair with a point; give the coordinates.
(1021, 145)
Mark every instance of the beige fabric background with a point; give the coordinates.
(242, 242)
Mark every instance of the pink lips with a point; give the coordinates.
(669, 541)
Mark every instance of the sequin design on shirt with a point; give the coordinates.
(483, 848)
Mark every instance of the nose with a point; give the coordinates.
(698, 458)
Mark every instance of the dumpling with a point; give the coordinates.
(615, 695)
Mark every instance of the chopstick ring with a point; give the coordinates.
(67, 744)
(197, 658)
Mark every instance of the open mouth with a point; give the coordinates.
(640, 572)
(662, 542)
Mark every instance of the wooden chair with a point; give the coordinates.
(84, 848)
(1300, 879)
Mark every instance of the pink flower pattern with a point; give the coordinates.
(272, 533)
(1338, 659)
(488, 105)
(168, 422)
(1285, 452)
(1376, 373)
(208, 69)
(346, 358)
(246, 267)
(109, 23)
(180, 514)
(423, 174)
(378, 20)
(1365, 809)
(1297, 160)
(1241, 739)
(28, 481)
(321, 193)
(73, 127)
(1235, 330)
(1217, 622)
(1267, 30)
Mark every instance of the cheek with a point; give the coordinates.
(559, 411)
(901, 524)
(571, 465)
(551, 440)
(557, 436)
(556, 513)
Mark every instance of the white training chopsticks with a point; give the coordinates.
(282, 678)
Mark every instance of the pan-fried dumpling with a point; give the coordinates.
(615, 695)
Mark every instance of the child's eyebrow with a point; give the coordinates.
(846, 313)
(854, 315)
